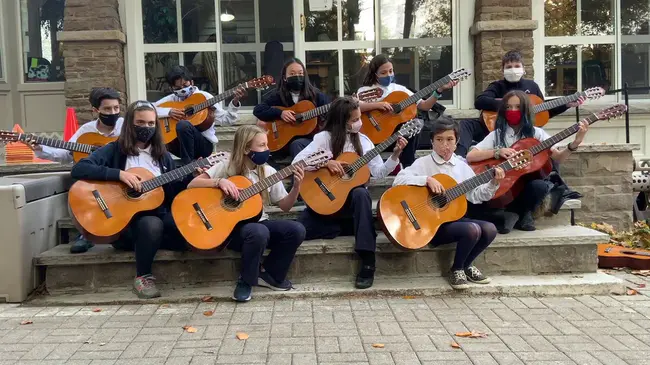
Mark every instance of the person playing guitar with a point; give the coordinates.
(472, 236)
(514, 122)
(283, 237)
(139, 145)
(381, 75)
(105, 102)
(193, 143)
(341, 134)
(513, 71)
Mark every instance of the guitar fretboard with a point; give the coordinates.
(216, 99)
(311, 114)
(57, 143)
(548, 143)
(424, 92)
(266, 183)
(564, 100)
(368, 156)
(478, 180)
(174, 174)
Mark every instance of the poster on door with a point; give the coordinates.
(320, 5)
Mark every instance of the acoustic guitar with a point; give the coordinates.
(379, 125)
(611, 256)
(207, 216)
(411, 215)
(101, 210)
(541, 165)
(541, 108)
(326, 193)
(196, 105)
(279, 133)
(86, 144)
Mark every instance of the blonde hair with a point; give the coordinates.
(237, 165)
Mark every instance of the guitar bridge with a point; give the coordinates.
(102, 204)
(374, 122)
(274, 127)
(202, 216)
(410, 215)
(324, 188)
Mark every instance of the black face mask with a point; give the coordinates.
(295, 83)
(109, 119)
(144, 134)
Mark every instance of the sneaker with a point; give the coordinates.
(242, 291)
(267, 281)
(145, 287)
(526, 222)
(365, 278)
(475, 276)
(80, 245)
(458, 280)
(509, 221)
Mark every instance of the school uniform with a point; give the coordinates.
(282, 237)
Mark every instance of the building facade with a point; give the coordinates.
(53, 51)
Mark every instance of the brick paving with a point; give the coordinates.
(588, 330)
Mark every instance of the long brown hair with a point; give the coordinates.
(127, 141)
(337, 124)
(371, 77)
(308, 91)
(237, 165)
(527, 117)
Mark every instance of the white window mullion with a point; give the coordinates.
(617, 48)
(416, 68)
(539, 45)
(579, 16)
(339, 51)
(377, 46)
(218, 30)
(579, 67)
(179, 20)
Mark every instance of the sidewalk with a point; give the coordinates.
(589, 330)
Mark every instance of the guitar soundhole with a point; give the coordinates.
(438, 201)
(133, 194)
(230, 204)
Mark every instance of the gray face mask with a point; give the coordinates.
(185, 92)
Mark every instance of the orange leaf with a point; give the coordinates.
(455, 345)
(206, 299)
(208, 313)
(409, 297)
(378, 345)
(97, 310)
(472, 334)
(632, 292)
(189, 329)
(463, 334)
(242, 336)
(26, 322)
(164, 306)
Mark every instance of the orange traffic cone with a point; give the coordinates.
(18, 152)
(71, 124)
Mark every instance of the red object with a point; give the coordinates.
(71, 124)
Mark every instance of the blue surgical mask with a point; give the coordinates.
(386, 80)
(259, 157)
(185, 92)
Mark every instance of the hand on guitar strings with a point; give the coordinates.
(336, 168)
(131, 180)
(499, 174)
(177, 114)
(506, 153)
(298, 176)
(448, 86)
(240, 93)
(229, 188)
(384, 106)
(577, 103)
(33, 145)
(435, 186)
(582, 131)
(399, 147)
(288, 116)
(199, 170)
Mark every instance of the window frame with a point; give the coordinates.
(3, 46)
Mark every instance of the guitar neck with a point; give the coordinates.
(368, 156)
(548, 105)
(548, 143)
(216, 99)
(427, 91)
(174, 175)
(311, 114)
(57, 143)
(478, 180)
(269, 181)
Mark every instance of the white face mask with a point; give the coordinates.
(355, 127)
(185, 92)
(513, 74)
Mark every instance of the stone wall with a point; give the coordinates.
(501, 26)
(603, 174)
(93, 47)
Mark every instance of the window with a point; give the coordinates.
(584, 43)
(42, 53)
(2, 51)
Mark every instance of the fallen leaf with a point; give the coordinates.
(472, 334)
(378, 345)
(455, 345)
(189, 329)
(242, 336)
(26, 322)
(164, 306)
(463, 334)
(641, 285)
(97, 310)
(632, 292)
(208, 313)
(409, 297)
(207, 298)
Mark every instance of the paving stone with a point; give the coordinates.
(380, 358)
(405, 358)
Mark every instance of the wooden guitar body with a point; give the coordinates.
(85, 199)
(541, 118)
(168, 124)
(415, 231)
(512, 185)
(206, 216)
(611, 256)
(91, 138)
(378, 125)
(284, 132)
(315, 182)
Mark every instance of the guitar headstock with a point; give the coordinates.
(460, 74)
(411, 128)
(520, 159)
(613, 111)
(217, 157)
(370, 95)
(594, 93)
(318, 159)
(7, 136)
(260, 82)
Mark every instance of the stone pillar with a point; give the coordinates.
(501, 26)
(93, 48)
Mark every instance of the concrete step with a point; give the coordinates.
(560, 249)
(597, 283)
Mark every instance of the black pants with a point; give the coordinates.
(471, 130)
(359, 207)
(146, 234)
(190, 144)
(471, 236)
(282, 237)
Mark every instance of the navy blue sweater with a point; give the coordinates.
(265, 111)
(497, 89)
(105, 164)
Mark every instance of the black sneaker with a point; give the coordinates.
(242, 292)
(526, 222)
(475, 276)
(267, 281)
(509, 221)
(80, 245)
(365, 278)
(458, 280)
